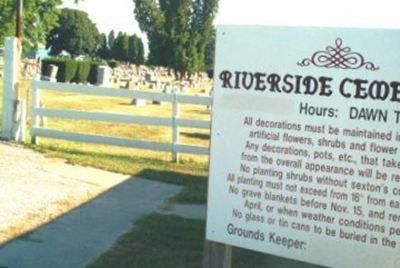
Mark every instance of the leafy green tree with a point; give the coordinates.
(140, 52)
(210, 52)
(103, 51)
(124, 48)
(136, 50)
(120, 49)
(132, 53)
(178, 31)
(111, 39)
(76, 34)
(7, 18)
(39, 18)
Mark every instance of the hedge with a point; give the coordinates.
(92, 79)
(72, 70)
(82, 74)
(113, 64)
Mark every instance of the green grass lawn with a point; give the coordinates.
(173, 242)
(191, 172)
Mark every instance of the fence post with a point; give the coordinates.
(35, 105)
(19, 122)
(217, 255)
(10, 82)
(175, 128)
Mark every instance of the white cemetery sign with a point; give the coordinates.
(305, 158)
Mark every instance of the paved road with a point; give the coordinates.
(35, 191)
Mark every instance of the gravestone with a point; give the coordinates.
(138, 102)
(52, 73)
(103, 76)
(149, 77)
(158, 102)
(167, 89)
(131, 85)
(185, 88)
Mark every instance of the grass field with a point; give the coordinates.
(156, 240)
(174, 242)
(190, 172)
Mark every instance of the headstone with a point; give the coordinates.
(132, 85)
(157, 102)
(184, 88)
(103, 76)
(167, 89)
(52, 72)
(149, 77)
(138, 102)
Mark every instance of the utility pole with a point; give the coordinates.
(20, 6)
(18, 35)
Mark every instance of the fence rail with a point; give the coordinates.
(175, 122)
(121, 93)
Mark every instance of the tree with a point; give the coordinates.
(120, 49)
(76, 34)
(39, 18)
(136, 50)
(178, 31)
(140, 52)
(111, 39)
(210, 52)
(132, 53)
(103, 51)
(123, 48)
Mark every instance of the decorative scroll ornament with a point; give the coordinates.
(338, 57)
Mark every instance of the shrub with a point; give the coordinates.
(66, 68)
(93, 72)
(83, 72)
(113, 64)
(72, 70)
(60, 63)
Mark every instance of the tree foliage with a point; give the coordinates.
(76, 34)
(122, 48)
(178, 31)
(103, 51)
(111, 39)
(136, 50)
(210, 52)
(39, 18)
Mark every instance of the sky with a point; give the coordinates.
(118, 14)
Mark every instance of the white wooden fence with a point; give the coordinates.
(14, 109)
(174, 121)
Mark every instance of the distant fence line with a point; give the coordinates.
(174, 121)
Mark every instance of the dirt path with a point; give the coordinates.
(98, 207)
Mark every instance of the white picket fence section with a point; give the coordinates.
(174, 121)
